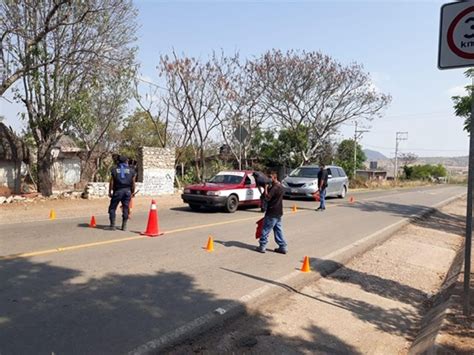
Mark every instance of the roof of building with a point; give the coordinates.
(67, 145)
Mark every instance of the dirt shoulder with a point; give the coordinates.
(372, 305)
(67, 208)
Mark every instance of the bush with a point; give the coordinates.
(424, 172)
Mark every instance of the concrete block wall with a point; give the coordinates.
(156, 171)
(155, 174)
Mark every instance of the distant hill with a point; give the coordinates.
(373, 155)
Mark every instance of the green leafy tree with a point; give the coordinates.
(424, 172)
(139, 131)
(279, 149)
(462, 104)
(345, 156)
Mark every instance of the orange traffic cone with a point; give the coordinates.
(294, 209)
(351, 199)
(210, 244)
(152, 228)
(305, 267)
(52, 215)
(92, 224)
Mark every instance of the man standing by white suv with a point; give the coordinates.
(322, 186)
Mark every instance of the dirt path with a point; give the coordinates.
(372, 305)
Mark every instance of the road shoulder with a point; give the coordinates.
(373, 304)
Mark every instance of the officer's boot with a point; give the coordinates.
(112, 224)
(124, 224)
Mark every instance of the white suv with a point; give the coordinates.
(303, 181)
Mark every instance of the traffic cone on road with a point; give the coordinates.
(305, 267)
(152, 228)
(351, 199)
(210, 244)
(295, 208)
(92, 224)
(52, 215)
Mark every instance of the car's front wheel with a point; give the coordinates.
(231, 204)
(343, 192)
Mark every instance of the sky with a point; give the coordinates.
(395, 41)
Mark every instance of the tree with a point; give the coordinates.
(462, 104)
(345, 156)
(13, 57)
(97, 117)
(240, 92)
(139, 130)
(408, 158)
(311, 91)
(65, 62)
(193, 102)
(424, 172)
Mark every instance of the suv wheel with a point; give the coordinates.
(231, 204)
(343, 192)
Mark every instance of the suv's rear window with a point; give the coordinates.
(305, 172)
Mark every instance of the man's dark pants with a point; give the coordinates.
(124, 196)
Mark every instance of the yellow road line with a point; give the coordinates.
(88, 245)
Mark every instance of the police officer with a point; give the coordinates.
(121, 189)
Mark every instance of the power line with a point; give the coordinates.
(399, 136)
(357, 135)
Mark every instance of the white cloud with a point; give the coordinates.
(456, 91)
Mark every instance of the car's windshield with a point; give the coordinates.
(226, 179)
(305, 172)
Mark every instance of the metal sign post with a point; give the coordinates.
(456, 50)
(240, 134)
(468, 241)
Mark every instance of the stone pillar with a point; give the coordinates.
(156, 171)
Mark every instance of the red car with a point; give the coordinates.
(228, 189)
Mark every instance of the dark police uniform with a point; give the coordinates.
(122, 192)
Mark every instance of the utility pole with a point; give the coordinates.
(357, 135)
(400, 136)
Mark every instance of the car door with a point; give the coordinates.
(251, 190)
(330, 189)
(344, 180)
(338, 181)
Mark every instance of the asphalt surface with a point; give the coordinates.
(67, 288)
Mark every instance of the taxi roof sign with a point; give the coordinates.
(456, 37)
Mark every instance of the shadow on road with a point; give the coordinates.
(99, 226)
(59, 310)
(50, 309)
(236, 244)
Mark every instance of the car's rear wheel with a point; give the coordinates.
(343, 192)
(231, 204)
(194, 207)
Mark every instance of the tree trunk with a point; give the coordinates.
(45, 166)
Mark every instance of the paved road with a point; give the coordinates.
(75, 290)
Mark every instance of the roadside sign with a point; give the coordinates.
(456, 36)
(456, 50)
(241, 133)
